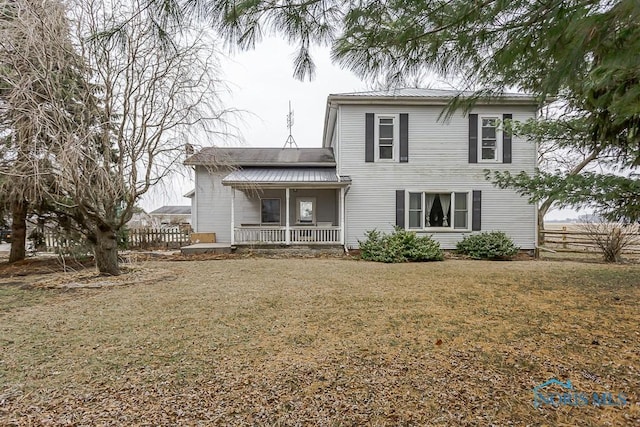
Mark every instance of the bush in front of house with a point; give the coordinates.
(400, 246)
(487, 245)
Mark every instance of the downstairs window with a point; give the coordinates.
(429, 211)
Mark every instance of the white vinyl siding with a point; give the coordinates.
(213, 207)
(438, 154)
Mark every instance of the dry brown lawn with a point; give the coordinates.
(261, 341)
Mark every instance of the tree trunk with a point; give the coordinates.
(544, 207)
(106, 252)
(18, 230)
(542, 211)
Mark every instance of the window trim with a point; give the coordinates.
(498, 151)
(279, 213)
(451, 228)
(395, 149)
(421, 210)
(313, 209)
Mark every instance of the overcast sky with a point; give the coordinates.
(261, 83)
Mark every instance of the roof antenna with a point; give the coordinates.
(290, 141)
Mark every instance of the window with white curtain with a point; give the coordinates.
(432, 211)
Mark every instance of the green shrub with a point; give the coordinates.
(487, 245)
(400, 246)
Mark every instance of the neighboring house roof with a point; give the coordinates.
(268, 157)
(276, 176)
(172, 210)
(190, 194)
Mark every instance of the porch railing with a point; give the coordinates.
(263, 235)
(278, 235)
(315, 235)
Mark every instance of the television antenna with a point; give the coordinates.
(290, 141)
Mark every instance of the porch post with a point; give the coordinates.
(342, 211)
(233, 211)
(287, 231)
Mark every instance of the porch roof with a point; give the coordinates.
(286, 177)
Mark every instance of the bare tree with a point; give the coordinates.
(157, 94)
(612, 238)
(44, 98)
(97, 107)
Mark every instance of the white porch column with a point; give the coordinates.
(342, 211)
(287, 231)
(233, 214)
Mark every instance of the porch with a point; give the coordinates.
(293, 206)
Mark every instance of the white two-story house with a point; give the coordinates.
(388, 159)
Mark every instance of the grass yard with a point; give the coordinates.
(260, 341)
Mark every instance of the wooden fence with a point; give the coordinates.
(566, 240)
(160, 238)
(136, 238)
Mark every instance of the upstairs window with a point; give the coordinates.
(489, 139)
(386, 137)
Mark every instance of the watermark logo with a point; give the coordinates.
(543, 395)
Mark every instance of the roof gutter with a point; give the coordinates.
(274, 165)
(415, 100)
(331, 113)
(296, 184)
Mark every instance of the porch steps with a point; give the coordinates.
(206, 248)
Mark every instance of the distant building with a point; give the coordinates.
(171, 215)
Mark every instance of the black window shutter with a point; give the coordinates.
(473, 138)
(369, 130)
(400, 208)
(506, 141)
(404, 138)
(476, 212)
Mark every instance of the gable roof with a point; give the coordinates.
(265, 157)
(172, 210)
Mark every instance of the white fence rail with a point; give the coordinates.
(136, 238)
(278, 235)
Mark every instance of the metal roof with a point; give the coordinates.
(415, 96)
(172, 210)
(282, 176)
(219, 156)
(425, 93)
